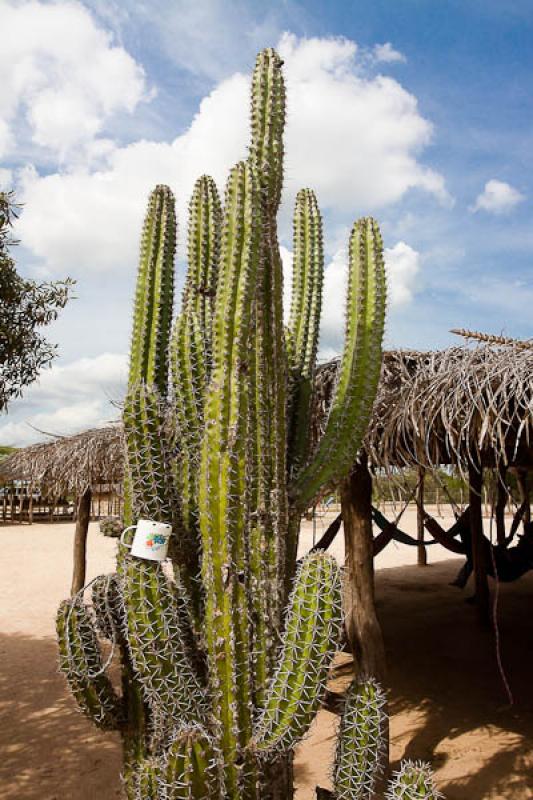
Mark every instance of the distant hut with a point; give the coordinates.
(88, 467)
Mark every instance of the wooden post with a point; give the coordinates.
(362, 626)
(83, 516)
(501, 502)
(523, 488)
(30, 506)
(475, 478)
(422, 556)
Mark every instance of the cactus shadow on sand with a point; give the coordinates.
(442, 667)
(49, 751)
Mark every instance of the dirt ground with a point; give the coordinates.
(447, 701)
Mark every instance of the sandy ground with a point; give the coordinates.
(446, 699)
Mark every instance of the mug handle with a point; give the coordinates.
(122, 542)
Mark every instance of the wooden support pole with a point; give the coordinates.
(83, 516)
(523, 488)
(422, 555)
(475, 477)
(362, 626)
(363, 630)
(30, 505)
(501, 501)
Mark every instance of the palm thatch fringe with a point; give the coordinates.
(463, 406)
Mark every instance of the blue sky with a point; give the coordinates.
(419, 112)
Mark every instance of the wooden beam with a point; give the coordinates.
(83, 516)
(362, 626)
(475, 476)
(422, 555)
(502, 496)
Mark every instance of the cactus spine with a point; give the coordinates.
(225, 664)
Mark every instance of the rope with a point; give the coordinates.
(495, 624)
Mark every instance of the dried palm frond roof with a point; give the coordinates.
(453, 406)
(457, 406)
(69, 463)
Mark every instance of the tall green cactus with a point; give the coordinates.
(225, 662)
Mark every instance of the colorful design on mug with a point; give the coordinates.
(156, 542)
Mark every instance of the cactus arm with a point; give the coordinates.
(309, 643)
(189, 378)
(147, 460)
(203, 252)
(413, 781)
(306, 305)
(307, 280)
(81, 663)
(359, 369)
(155, 286)
(268, 123)
(146, 780)
(156, 643)
(222, 473)
(191, 767)
(359, 759)
(107, 606)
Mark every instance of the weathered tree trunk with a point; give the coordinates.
(362, 625)
(422, 556)
(83, 516)
(363, 630)
(475, 475)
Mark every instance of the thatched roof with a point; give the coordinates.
(457, 406)
(69, 463)
(452, 406)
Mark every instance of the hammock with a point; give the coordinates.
(510, 562)
(393, 532)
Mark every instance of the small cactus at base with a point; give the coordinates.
(111, 526)
(413, 781)
(359, 760)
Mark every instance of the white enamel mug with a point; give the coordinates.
(150, 540)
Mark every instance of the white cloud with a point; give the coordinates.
(210, 38)
(333, 305)
(386, 52)
(403, 265)
(67, 399)
(355, 139)
(6, 179)
(61, 76)
(100, 230)
(497, 197)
